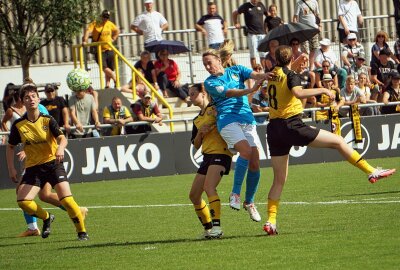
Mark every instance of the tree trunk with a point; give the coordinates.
(25, 63)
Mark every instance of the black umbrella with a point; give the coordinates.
(286, 32)
(173, 46)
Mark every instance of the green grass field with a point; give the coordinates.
(330, 217)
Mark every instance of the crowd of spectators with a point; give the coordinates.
(347, 73)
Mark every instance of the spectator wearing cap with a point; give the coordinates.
(324, 101)
(259, 103)
(325, 53)
(117, 115)
(350, 52)
(380, 72)
(381, 40)
(150, 23)
(56, 106)
(392, 94)
(361, 67)
(350, 17)
(146, 110)
(103, 31)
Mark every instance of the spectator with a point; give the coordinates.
(307, 78)
(324, 101)
(350, 52)
(380, 72)
(56, 106)
(396, 4)
(259, 103)
(353, 95)
(14, 112)
(83, 108)
(169, 76)
(307, 11)
(213, 26)
(364, 87)
(104, 31)
(326, 69)
(298, 56)
(7, 96)
(253, 11)
(118, 115)
(349, 15)
(397, 50)
(147, 69)
(392, 94)
(381, 40)
(150, 24)
(270, 60)
(325, 53)
(146, 110)
(361, 67)
(272, 20)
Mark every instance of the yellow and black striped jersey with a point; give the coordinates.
(324, 115)
(283, 104)
(39, 138)
(212, 142)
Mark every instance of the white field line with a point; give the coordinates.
(393, 200)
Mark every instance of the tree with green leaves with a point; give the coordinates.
(29, 25)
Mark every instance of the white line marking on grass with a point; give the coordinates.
(393, 200)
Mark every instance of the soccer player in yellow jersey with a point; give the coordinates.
(44, 145)
(286, 129)
(217, 161)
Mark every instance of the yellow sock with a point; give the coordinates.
(33, 209)
(272, 209)
(74, 213)
(356, 160)
(203, 213)
(215, 209)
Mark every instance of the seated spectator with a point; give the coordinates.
(364, 87)
(95, 96)
(361, 67)
(381, 40)
(324, 101)
(325, 53)
(298, 56)
(392, 94)
(118, 115)
(145, 110)
(353, 95)
(326, 69)
(380, 72)
(250, 82)
(169, 76)
(270, 60)
(397, 51)
(350, 52)
(56, 106)
(259, 103)
(83, 108)
(307, 78)
(7, 96)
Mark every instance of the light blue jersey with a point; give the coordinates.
(232, 109)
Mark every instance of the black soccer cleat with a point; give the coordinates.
(46, 226)
(83, 236)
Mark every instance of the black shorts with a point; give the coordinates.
(215, 159)
(107, 58)
(282, 134)
(49, 172)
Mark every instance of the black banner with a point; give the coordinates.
(133, 156)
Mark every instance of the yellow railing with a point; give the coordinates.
(77, 54)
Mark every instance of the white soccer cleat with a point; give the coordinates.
(234, 201)
(270, 228)
(252, 210)
(380, 173)
(215, 232)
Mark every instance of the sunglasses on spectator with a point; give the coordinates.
(325, 66)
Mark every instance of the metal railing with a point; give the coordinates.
(77, 50)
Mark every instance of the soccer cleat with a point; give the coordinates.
(83, 236)
(270, 228)
(380, 173)
(30, 232)
(213, 233)
(234, 201)
(251, 208)
(84, 212)
(46, 226)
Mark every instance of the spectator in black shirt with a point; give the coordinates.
(272, 19)
(380, 72)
